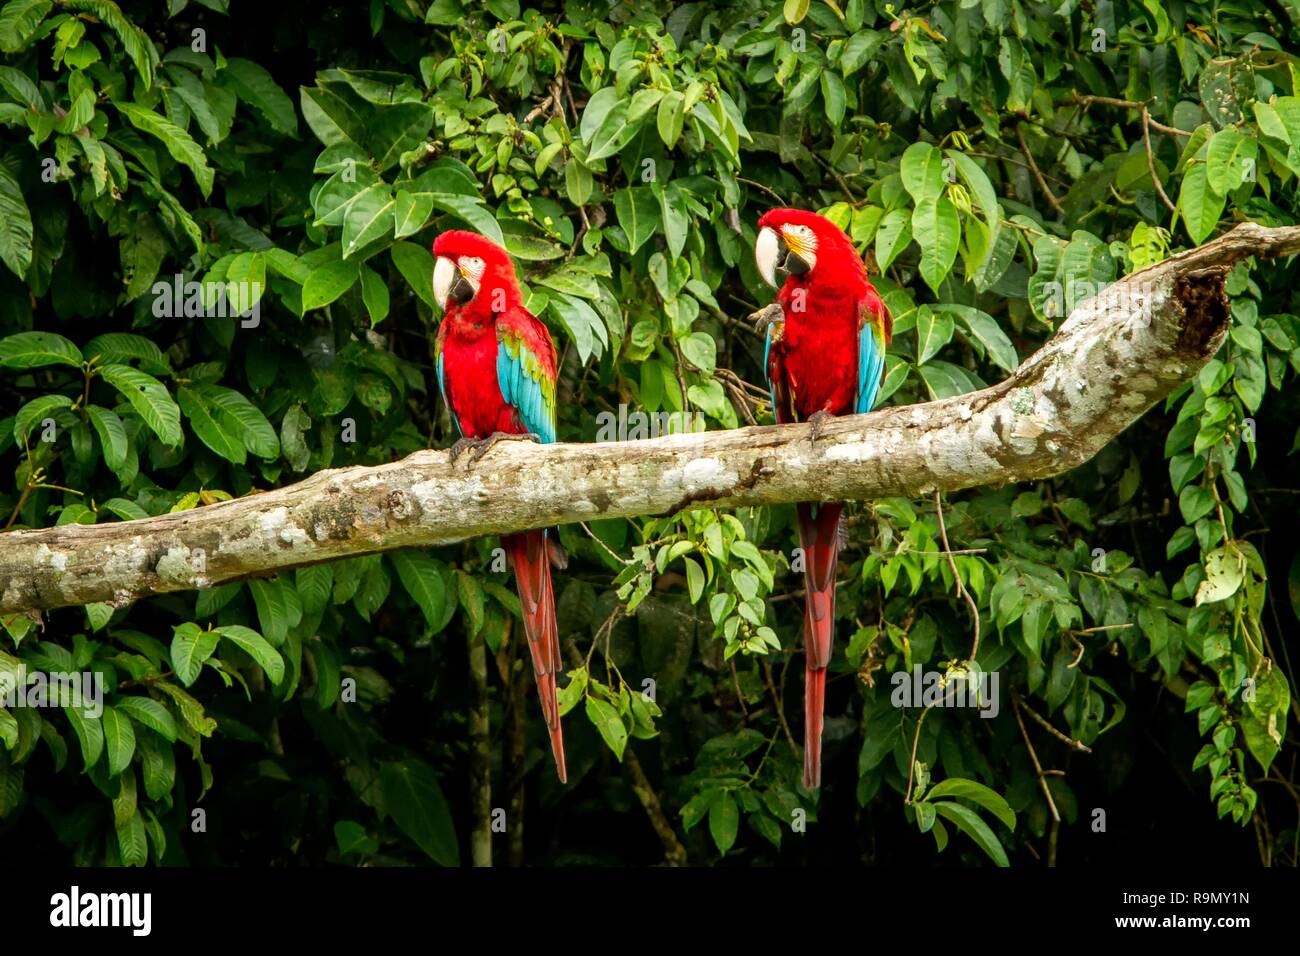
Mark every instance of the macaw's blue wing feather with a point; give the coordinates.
(871, 361)
(767, 368)
(525, 384)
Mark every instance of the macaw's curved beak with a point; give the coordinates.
(773, 254)
(791, 262)
(450, 283)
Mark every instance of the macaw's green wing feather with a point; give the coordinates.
(871, 358)
(527, 379)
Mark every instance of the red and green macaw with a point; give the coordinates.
(825, 356)
(497, 371)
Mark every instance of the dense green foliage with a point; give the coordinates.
(622, 153)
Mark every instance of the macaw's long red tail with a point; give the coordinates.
(528, 554)
(819, 536)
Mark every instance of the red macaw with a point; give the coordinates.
(825, 355)
(497, 370)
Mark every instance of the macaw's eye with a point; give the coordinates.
(472, 267)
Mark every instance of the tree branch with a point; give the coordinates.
(1117, 354)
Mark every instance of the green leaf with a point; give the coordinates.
(933, 332)
(254, 85)
(374, 295)
(15, 226)
(112, 435)
(209, 428)
(415, 263)
(121, 348)
(31, 416)
(700, 350)
(415, 801)
(149, 713)
(36, 349)
(1229, 160)
(892, 236)
(606, 719)
(1225, 570)
(975, 828)
(179, 143)
(471, 599)
(134, 41)
(420, 577)
(977, 181)
(275, 608)
(132, 843)
(256, 646)
(724, 815)
(976, 793)
(921, 168)
(470, 210)
(369, 218)
(638, 213)
(794, 11)
(833, 96)
(1200, 205)
(149, 398)
(332, 118)
(119, 741)
(670, 117)
(90, 734)
(614, 133)
(1264, 723)
(411, 210)
(329, 281)
(598, 107)
(584, 326)
(1195, 502)
(19, 20)
(937, 229)
(394, 130)
(242, 417)
(191, 646)
(985, 329)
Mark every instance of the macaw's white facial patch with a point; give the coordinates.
(472, 267)
(444, 273)
(766, 250)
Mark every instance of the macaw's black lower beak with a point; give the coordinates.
(461, 290)
(791, 263)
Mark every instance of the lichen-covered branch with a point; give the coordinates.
(1116, 355)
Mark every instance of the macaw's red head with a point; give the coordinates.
(800, 245)
(471, 272)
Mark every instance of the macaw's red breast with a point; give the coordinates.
(820, 349)
(470, 343)
(469, 361)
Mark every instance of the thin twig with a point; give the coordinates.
(608, 551)
(1038, 173)
(767, 189)
(1088, 100)
(1151, 159)
(911, 764)
(1043, 722)
(735, 683)
(1042, 781)
(780, 708)
(961, 586)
